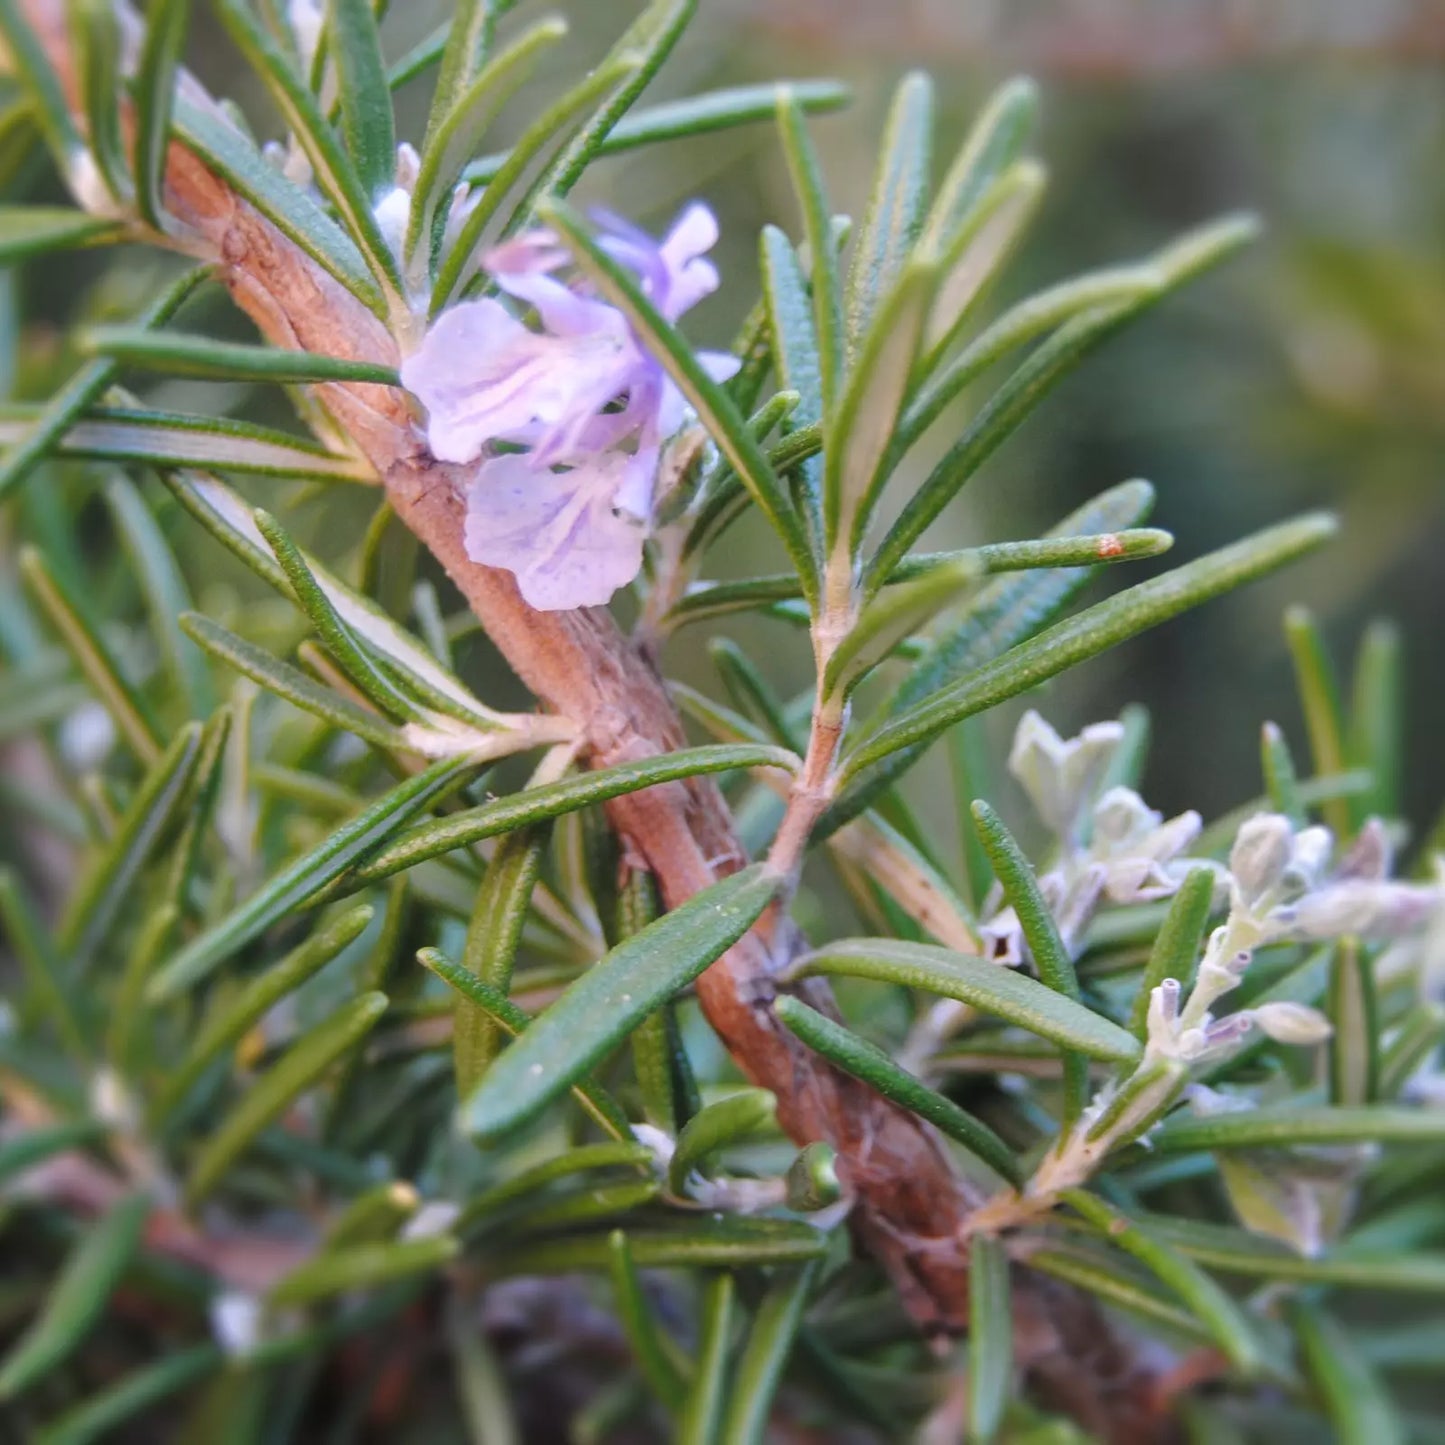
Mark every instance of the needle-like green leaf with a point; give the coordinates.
(269, 1096)
(1093, 631)
(77, 1297)
(616, 994)
(299, 882)
(987, 987)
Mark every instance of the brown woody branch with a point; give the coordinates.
(909, 1204)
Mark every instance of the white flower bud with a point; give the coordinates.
(1262, 851)
(236, 1321)
(1292, 1023)
(393, 215)
(435, 1217)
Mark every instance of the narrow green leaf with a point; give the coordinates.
(640, 1326)
(535, 805)
(715, 599)
(43, 230)
(43, 435)
(367, 124)
(110, 1409)
(559, 118)
(1376, 739)
(717, 110)
(649, 40)
(1039, 373)
(703, 1409)
(227, 1025)
(519, 1188)
(764, 1357)
(1354, 1012)
(993, 990)
(712, 405)
(794, 351)
(616, 994)
(159, 579)
(78, 1297)
(1420, 1033)
(1104, 1278)
(896, 207)
(860, 431)
(1235, 1251)
(29, 63)
(1095, 630)
(110, 879)
(1281, 781)
(712, 110)
(866, 1061)
(1320, 701)
(991, 144)
(1227, 1323)
(1354, 1398)
(228, 518)
(707, 1242)
(173, 440)
(22, 1151)
(292, 684)
(977, 251)
(807, 179)
(1004, 613)
(290, 208)
(596, 1101)
(94, 659)
(96, 49)
(177, 354)
(482, 1386)
(1282, 1125)
(715, 1127)
(452, 139)
(336, 177)
(301, 880)
(495, 934)
(33, 949)
(1055, 967)
(155, 90)
(270, 1095)
(362, 1266)
(374, 1216)
(468, 40)
(1176, 946)
(337, 636)
(990, 1338)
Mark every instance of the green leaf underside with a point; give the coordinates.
(988, 987)
(615, 995)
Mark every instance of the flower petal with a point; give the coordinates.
(557, 532)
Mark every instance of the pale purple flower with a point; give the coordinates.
(589, 405)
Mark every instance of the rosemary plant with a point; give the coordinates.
(388, 1057)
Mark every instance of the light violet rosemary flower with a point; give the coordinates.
(581, 405)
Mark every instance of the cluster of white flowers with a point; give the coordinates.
(1112, 845)
(1282, 889)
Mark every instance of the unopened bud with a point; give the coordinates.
(1293, 1023)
